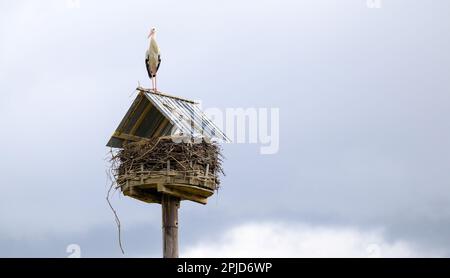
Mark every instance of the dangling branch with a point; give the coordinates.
(116, 217)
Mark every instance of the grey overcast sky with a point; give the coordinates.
(364, 101)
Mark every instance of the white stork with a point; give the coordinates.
(152, 58)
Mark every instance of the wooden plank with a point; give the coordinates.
(181, 194)
(141, 118)
(144, 197)
(207, 170)
(128, 137)
(161, 127)
(194, 190)
(141, 96)
(164, 95)
(142, 170)
(170, 179)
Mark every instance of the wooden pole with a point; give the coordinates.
(170, 207)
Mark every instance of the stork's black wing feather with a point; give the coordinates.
(147, 65)
(159, 63)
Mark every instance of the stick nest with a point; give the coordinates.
(193, 159)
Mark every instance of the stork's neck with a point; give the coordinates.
(152, 38)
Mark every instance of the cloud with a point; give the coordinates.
(274, 239)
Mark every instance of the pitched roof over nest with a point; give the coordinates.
(156, 114)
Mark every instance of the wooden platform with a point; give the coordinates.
(149, 186)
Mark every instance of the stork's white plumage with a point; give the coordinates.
(152, 58)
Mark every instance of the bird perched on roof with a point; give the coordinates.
(152, 58)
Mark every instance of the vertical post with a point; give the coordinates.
(170, 207)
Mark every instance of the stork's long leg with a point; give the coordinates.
(156, 88)
(153, 83)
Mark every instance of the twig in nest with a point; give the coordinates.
(151, 149)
